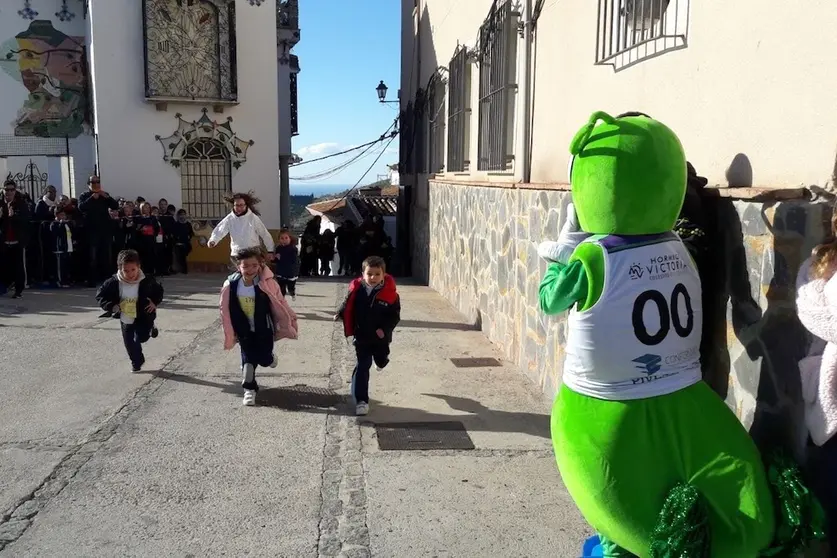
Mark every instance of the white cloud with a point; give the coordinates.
(319, 149)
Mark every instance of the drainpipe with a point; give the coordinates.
(528, 28)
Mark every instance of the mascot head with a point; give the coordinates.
(628, 175)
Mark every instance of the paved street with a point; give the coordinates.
(98, 462)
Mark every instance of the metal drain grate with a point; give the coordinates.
(423, 436)
(477, 362)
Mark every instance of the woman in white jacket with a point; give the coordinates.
(244, 226)
(816, 304)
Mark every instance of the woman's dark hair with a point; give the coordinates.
(247, 253)
(249, 198)
(181, 212)
(127, 256)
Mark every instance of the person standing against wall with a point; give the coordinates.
(15, 219)
(95, 205)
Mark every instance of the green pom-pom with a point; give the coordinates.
(800, 519)
(683, 528)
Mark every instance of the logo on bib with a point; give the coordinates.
(649, 364)
(636, 271)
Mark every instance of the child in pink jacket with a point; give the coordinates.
(254, 314)
(816, 305)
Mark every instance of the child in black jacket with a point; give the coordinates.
(132, 297)
(286, 263)
(60, 244)
(182, 235)
(370, 312)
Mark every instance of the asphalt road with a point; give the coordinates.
(96, 461)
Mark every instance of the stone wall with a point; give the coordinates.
(477, 246)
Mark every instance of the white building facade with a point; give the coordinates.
(186, 100)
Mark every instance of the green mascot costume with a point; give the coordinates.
(654, 459)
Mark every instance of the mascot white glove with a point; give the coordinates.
(571, 236)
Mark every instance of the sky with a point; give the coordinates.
(345, 49)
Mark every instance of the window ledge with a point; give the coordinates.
(187, 101)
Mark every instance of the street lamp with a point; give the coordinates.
(382, 93)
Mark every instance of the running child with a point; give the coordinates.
(254, 314)
(287, 263)
(370, 312)
(132, 297)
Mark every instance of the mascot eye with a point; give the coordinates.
(570, 169)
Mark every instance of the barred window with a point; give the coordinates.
(436, 124)
(630, 31)
(498, 73)
(205, 178)
(459, 111)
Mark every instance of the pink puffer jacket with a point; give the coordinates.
(284, 318)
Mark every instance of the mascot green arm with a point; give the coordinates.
(578, 282)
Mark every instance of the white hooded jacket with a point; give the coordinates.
(246, 231)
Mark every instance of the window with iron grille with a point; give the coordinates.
(459, 113)
(205, 178)
(436, 125)
(294, 115)
(630, 31)
(498, 72)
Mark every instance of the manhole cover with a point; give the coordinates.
(423, 436)
(477, 362)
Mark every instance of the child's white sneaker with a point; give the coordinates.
(249, 397)
(274, 363)
(362, 409)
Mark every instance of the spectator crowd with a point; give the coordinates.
(351, 243)
(62, 242)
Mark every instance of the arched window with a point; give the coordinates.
(205, 178)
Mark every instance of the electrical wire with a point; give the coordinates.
(353, 188)
(381, 138)
(327, 173)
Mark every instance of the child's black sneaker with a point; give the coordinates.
(136, 366)
(154, 332)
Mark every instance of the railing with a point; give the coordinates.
(498, 69)
(436, 123)
(630, 31)
(459, 113)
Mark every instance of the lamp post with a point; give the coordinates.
(382, 93)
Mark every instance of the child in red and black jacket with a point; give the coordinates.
(370, 313)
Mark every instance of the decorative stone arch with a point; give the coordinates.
(205, 152)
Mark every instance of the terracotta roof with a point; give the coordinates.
(327, 206)
(386, 206)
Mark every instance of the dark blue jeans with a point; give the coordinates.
(134, 337)
(366, 355)
(254, 353)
